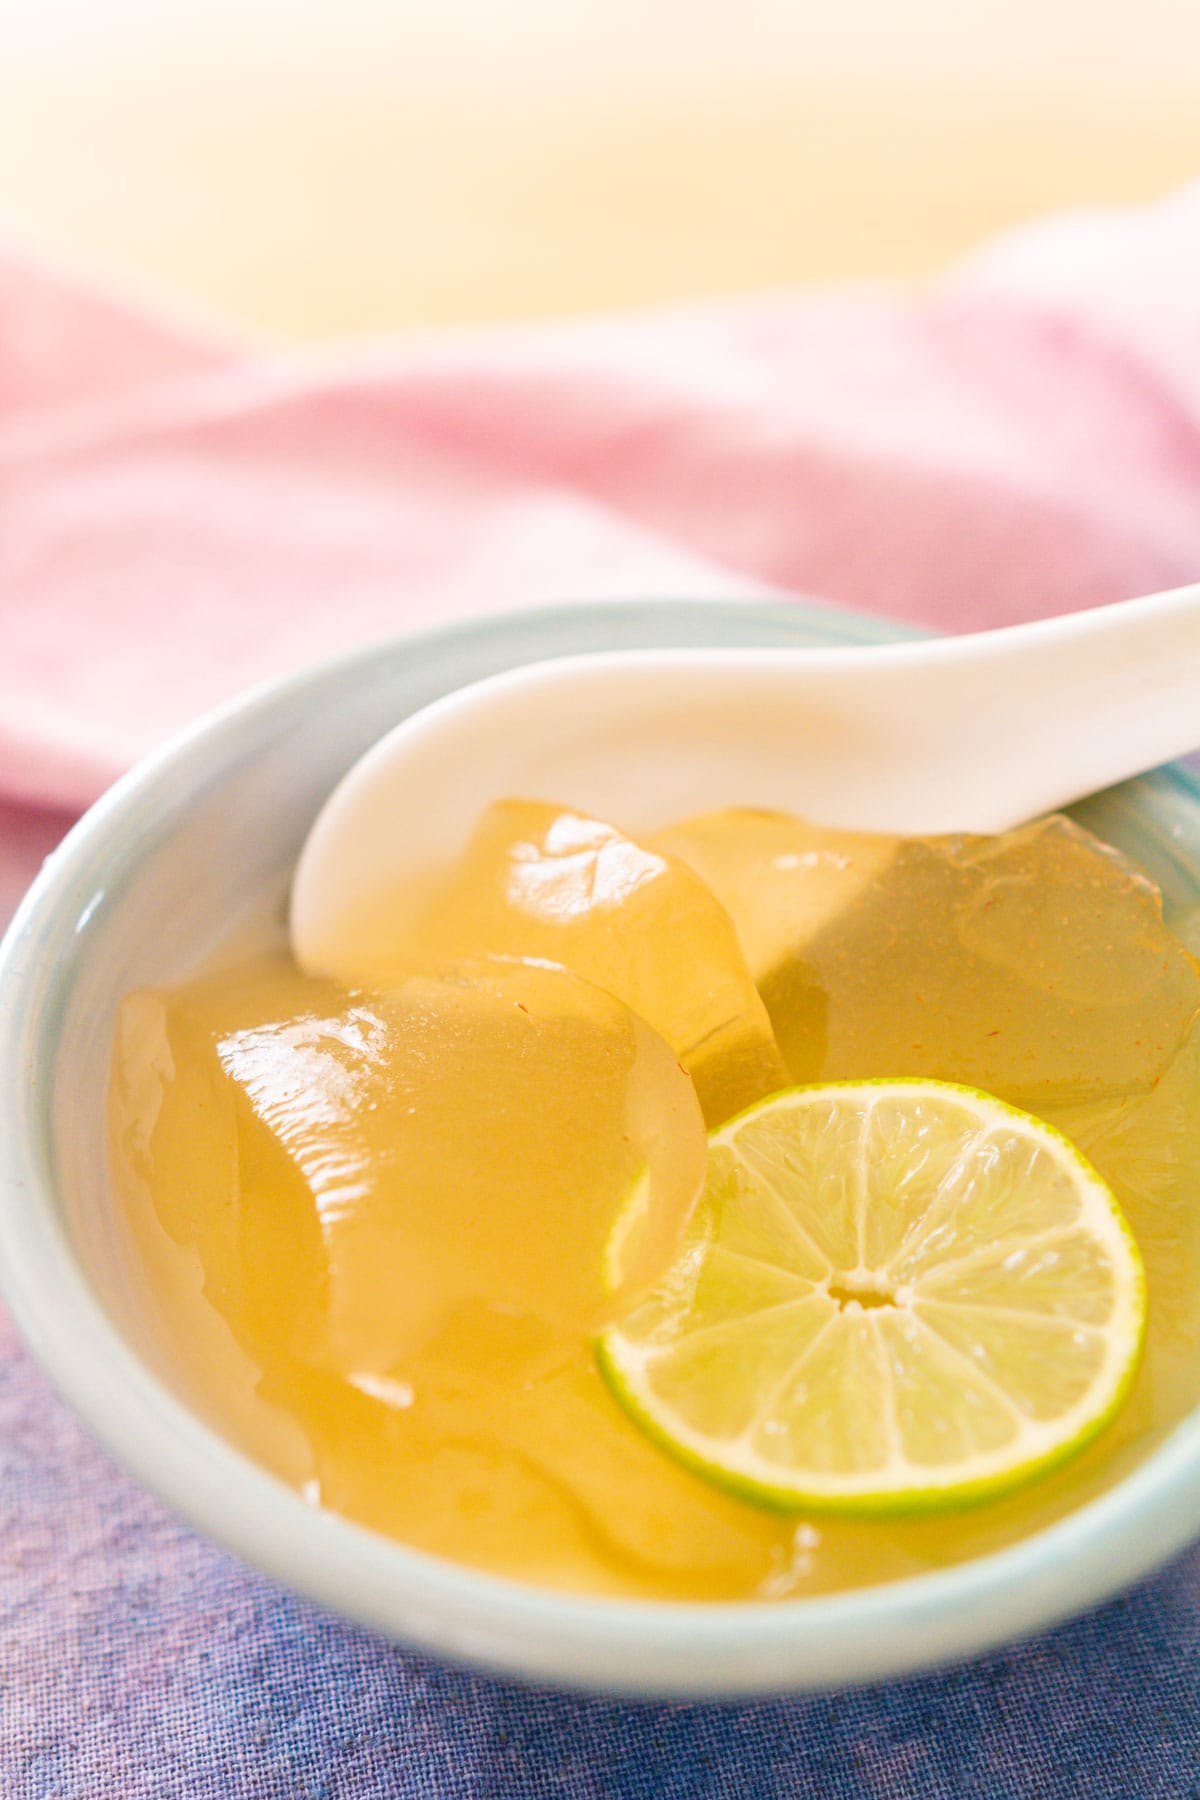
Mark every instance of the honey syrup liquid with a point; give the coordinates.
(377, 1219)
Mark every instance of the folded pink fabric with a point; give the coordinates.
(180, 517)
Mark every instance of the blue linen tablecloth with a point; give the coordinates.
(139, 1663)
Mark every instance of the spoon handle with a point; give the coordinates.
(1042, 713)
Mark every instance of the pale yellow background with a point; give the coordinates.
(315, 168)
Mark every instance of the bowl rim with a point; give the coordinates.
(645, 1647)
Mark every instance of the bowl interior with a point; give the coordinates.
(197, 846)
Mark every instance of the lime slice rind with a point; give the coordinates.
(894, 1415)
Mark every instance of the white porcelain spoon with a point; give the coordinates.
(966, 733)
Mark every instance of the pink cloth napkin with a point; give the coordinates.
(180, 517)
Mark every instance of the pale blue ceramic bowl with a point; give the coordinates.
(200, 839)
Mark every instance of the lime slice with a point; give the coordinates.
(893, 1296)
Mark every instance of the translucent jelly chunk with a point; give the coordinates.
(378, 1231)
(1035, 965)
(373, 1161)
(780, 879)
(538, 881)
